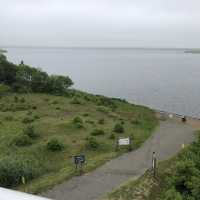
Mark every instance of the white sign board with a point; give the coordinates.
(124, 141)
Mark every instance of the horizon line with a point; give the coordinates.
(98, 47)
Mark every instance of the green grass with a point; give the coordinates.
(53, 116)
(147, 187)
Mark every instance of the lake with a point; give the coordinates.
(165, 79)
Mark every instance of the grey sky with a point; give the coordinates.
(153, 23)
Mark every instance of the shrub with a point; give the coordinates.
(112, 136)
(29, 112)
(86, 114)
(9, 118)
(78, 125)
(90, 122)
(12, 171)
(30, 131)
(103, 109)
(75, 101)
(16, 99)
(22, 140)
(46, 99)
(104, 101)
(34, 107)
(97, 132)
(101, 121)
(54, 102)
(27, 120)
(4, 89)
(22, 100)
(135, 121)
(172, 194)
(55, 145)
(92, 143)
(77, 120)
(36, 117)
(118, 128)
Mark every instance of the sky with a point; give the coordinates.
(100, 23)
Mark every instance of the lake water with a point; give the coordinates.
(163, 79)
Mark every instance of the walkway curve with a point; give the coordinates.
(166, 142)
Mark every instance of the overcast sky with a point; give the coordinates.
(127, 23)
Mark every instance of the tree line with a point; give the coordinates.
(23, 78)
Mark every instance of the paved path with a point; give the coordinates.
(165, 142)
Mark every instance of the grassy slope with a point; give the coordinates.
(147, 187)
(53, 116)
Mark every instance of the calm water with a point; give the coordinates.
(163, 79)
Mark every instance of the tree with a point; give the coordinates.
(59, 84)
(7, 71)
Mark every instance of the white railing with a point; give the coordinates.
(6, 194)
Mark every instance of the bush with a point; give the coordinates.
(34, 107)
(30, 131)
(55, 145)
(97, 132)
(29, 112)
(86, 114)
(55, 102)
(103, 109)
(16, 99)
(9, 118)
(92, 143)
(79, 125)
(36, 117)
(27, 120)
(172, 194)
(90, 122)
(4, 89)
(22, 100)
(12, 171)
(135, 121)
(118, 128)
(75, 101)
(77, 120)
(112, 136)
(101, 121)
(22, 140)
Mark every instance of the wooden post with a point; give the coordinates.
(154, 170)
(117, 145)
(130, 145)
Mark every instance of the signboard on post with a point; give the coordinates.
(79, 160)
(124, 141)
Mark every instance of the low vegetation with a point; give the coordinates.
(177, 179)
(41, 132)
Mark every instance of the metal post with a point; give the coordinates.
(154, 164)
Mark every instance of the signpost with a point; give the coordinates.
(124, 142)
(154, 164)
(79, 160)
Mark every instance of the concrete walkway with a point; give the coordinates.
(166, 142)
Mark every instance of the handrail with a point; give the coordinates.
(6, 194)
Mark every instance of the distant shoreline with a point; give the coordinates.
(3, 51)
(197, 51)
(105, 47)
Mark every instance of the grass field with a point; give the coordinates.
(80, 123)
